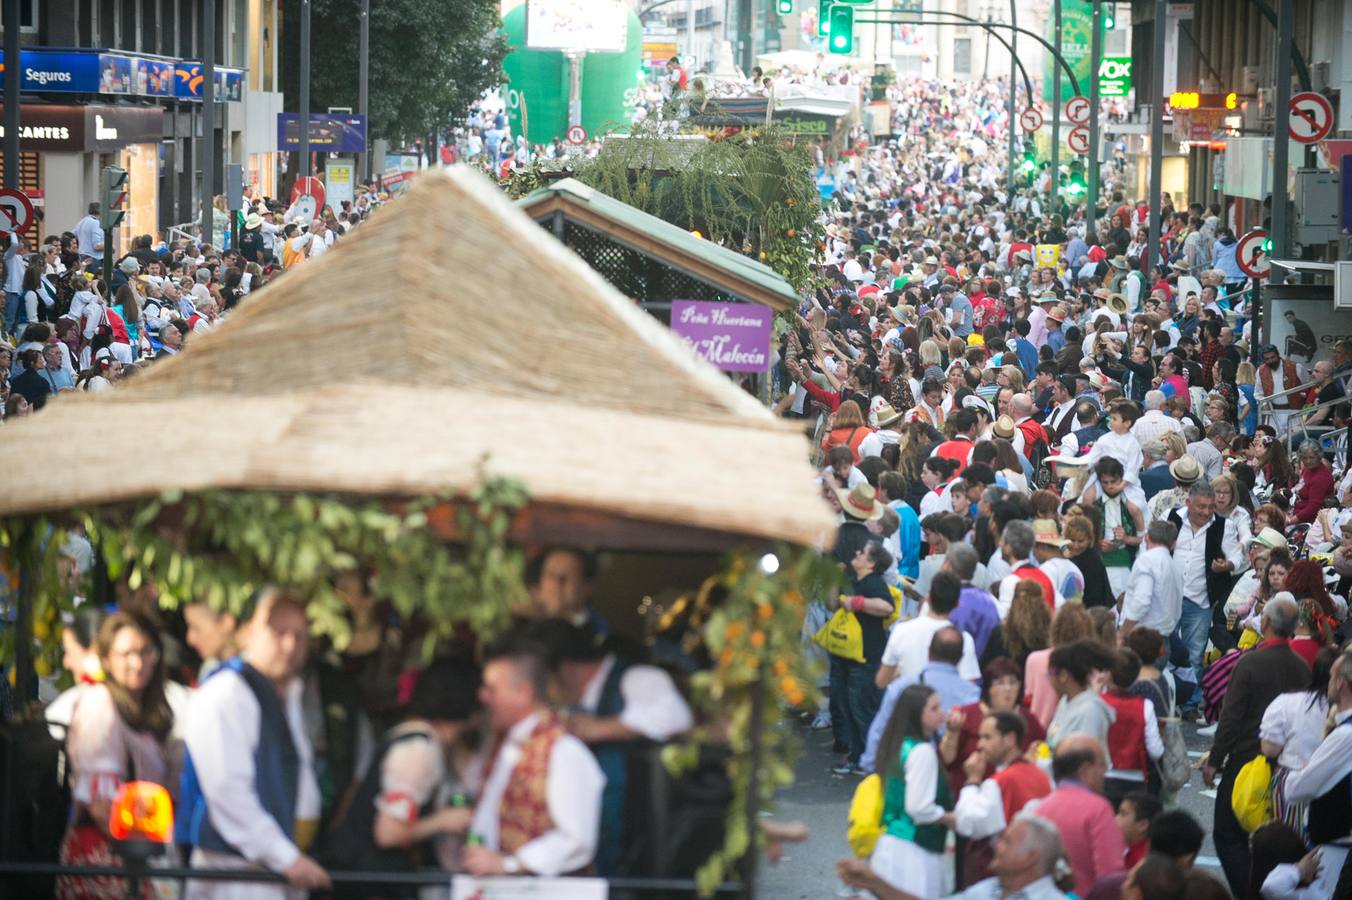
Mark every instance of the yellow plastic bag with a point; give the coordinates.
(866, 816)
(896, 606)
(1249, 638)
(1251, 798)
(842, 636)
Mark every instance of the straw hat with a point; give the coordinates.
(1057, 314)
(1097, 381)
(1118, 304)
(1118, 262)
(1048, 297)
(1003, 428)
(1274, 539)
(1185, 469)
(130, 264)
(887, 415)
(861, 503)
(1181, 266)
(1046, 531)
(252, 221)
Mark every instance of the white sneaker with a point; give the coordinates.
(1208, 731)
(822, 722)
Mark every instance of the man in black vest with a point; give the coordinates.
(1270, 669)
(612, 702)
(1207, 552)
(1326, 781)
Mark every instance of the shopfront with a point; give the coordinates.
(63, 147)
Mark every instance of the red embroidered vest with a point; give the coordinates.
(1126, 736)
(523, 814)
(1290, 379)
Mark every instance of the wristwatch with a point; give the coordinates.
(511, 865)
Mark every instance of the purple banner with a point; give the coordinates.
(733, 336)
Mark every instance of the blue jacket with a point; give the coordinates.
(953, 691)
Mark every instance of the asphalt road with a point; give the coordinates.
(821, 800)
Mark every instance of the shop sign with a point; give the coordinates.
(804, 123)
(735, 337)
(328, 133)
(77, 129)
(95, 72)
(1114, 76)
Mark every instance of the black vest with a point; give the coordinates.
(1218, 584)
(1331, 812)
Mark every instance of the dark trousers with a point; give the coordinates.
(1232, 841)
(854, 702)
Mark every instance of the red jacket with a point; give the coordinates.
(1315, 486)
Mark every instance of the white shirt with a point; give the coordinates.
(1205, 452)
(573, 794)
(936, 500)
(1328, 765)
(875, 442)
(222, 734)
(1190, 554)
(1154, 597)
(908, 645)
(1295, 722)
(89, 235)
(652, 705)
(980, 810)
(1155, 424)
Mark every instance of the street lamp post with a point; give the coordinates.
(1013, 115)
(304, 88)
(1154, 251)
(208, 145)
(1281, 139)
(1094, 169)
(363, 81)
(1053, 188)
(12, 71)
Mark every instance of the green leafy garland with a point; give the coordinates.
(753, 637)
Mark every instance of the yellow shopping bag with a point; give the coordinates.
(866, 816)
(842, 636)
(1251, 798)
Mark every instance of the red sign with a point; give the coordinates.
(309, 187)
(16, 211)
(1311, 117)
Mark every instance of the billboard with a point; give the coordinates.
(592, 26)
(733, 336)
(1077, 28)
(328, 133)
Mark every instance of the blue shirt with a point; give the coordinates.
(1027, 354)
(908, 535)
(976, 614)
(1056, 339)
(963, 307)
(952, 688)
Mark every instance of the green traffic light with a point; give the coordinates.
(785, 7)
(1267, 246)
(841, 29)
(823, 17)
(1109, 16)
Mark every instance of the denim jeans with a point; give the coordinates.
(14, 310)
(854, 702)
(1194, 627)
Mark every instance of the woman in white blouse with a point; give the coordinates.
(1291, 730)
(119, 731)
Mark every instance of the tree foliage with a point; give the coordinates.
(430, 59)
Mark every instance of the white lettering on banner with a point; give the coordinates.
(717, 351)
(720, 316)
(42, 132)
(102, 132)
(41, 77)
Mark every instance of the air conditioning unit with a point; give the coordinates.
(1249, 79)
(1319, 76)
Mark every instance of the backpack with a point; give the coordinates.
(1174, 766)
(866, 816)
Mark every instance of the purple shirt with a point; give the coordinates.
(976, 614)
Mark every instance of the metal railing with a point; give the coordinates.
(137, 873)
(185, 232)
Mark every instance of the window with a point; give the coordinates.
(962, 56)
(28, 15)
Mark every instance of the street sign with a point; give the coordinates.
(1031, 119)
(308, 196)
(1250, 256)
(1311, 117)
(576, 134)
(16, 211)
(1078, 139)
(1077, 110)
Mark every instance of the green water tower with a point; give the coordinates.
(538, 83)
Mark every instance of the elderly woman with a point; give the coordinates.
(1315, 484)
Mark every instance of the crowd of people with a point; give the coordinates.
(1075, 513)
(75, 321)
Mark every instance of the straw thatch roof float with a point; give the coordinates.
(449, 330)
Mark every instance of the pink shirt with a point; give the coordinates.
(1092, 840)
(1037, 687)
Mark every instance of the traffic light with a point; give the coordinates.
(1109, 16)
(1267, 246)
(841, 32)
(114, 190)
(785, 7)
(823, 16)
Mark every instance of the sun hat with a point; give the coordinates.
(1181, 266)
(861, 503)
(1003, 428)
(252, 221)
(1057, 314)
(1185, 469)
(1118, 262)
(130, 264)
(1046, 531)
(887, 415)
(1118, 304)
(1097, 381)
(1274, 539)
(1048, 297)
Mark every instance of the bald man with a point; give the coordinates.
(1079, 810)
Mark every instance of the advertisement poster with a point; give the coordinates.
(114, 74)
(1305, 331)
(733, 336)
(592, 26)
(338, 179)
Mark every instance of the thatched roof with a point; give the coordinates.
(448, 329)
